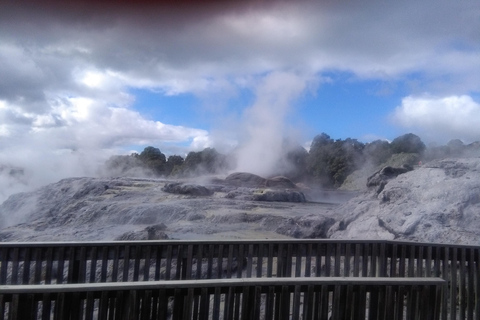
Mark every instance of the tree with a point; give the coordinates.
(206, 161)
(329, 162)
(153, 159)
(408, 143)
(173, 163)
(377, 152)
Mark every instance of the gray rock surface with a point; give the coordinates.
(279, 195)
(188, 189)
(437, 202)
(129, 209)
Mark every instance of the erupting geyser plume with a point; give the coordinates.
(262, 143)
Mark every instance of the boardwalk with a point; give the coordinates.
(269, 279)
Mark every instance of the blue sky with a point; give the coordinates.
(82, 80)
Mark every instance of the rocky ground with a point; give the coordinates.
(129, 209)
(437, 202)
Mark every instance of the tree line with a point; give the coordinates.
(327, 163)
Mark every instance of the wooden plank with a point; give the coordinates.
(240, 259)
(180, 270)
(288, 261)
(383, 259)
(393, 260)
(188, 262)
(93, 264)
(308, 261)
(462, 294)
(15, 266)
(199, 257)
(260, 257)
(428, 262)
(60, 256)
(411, 261)
(137, 257)
(419, 261)
(212, 283)
(445, 275)
(402, 262)
(37, 278)
(116, 259)
(218, 275)
(210, 261)
(453, 284)
(168, 262)
(347, 262)
(471, 284)
(373, 260)
(365, 260)
(270, 303)
(126, 263)
(270, 260)
(249, 265)
(356, 260)
(3, 264)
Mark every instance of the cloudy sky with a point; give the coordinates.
(79, 79)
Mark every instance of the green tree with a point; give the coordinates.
(173, 163)
(206, 161)
(377, 152)
(408, 143)
(153, 159)
(329, 162)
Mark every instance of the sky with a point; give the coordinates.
(83, 80)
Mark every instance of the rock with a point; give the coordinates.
(244, 179)
(280, 182)
(89, 209)
(187, 189)
(306, 227)
(149, 233)
(437, 202)
(279, 195)
(380, 178)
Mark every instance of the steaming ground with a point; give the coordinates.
(127, 208)
(438, 201)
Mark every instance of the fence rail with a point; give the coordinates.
(253, 298)
(109, 262)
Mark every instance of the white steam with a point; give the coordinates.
(262, 143)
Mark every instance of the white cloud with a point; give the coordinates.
(441, 118)
(66, 73)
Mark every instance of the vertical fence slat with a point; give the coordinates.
(147, 259)
(462, 284)
(93, 264)
(15, 265)
(126, 262)
(338, 250)
(356, 261)
(471, 281)
(260, 257)
(453, 284)
(393, 260)
(38, 265)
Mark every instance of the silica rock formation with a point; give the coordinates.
(437, 202)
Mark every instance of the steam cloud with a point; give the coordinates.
(264, 121)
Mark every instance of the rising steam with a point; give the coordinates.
(262, 144)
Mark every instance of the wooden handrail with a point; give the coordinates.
(288, 298)
(220, 283)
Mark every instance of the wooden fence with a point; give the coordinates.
(110, 262)
(253, 298)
